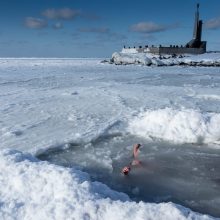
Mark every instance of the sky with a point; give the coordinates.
(97, 28)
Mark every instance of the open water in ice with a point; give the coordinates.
(185, 174)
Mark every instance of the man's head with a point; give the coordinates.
(126, 170)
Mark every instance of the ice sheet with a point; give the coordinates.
(52, 103)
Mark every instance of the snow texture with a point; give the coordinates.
(147, 59)
(177, 126)
(50, 103)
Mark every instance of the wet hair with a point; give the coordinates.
(126, 170)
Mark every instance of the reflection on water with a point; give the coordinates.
(185, 174)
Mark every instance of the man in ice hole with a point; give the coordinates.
(135, 161)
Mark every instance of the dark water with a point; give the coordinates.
(185, 174)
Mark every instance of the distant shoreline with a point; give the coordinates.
(210, 59)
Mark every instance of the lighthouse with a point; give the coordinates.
(197, 42)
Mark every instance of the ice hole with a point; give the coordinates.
(185, 174)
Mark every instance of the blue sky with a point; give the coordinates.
(97, 28)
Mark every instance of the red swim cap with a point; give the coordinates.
(126, 170)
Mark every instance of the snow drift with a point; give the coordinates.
(179, 126)
(31, 189)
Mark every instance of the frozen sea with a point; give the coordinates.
(67, 127)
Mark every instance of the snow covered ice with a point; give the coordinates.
(178, 126)
(81, 115)
(131, 56)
